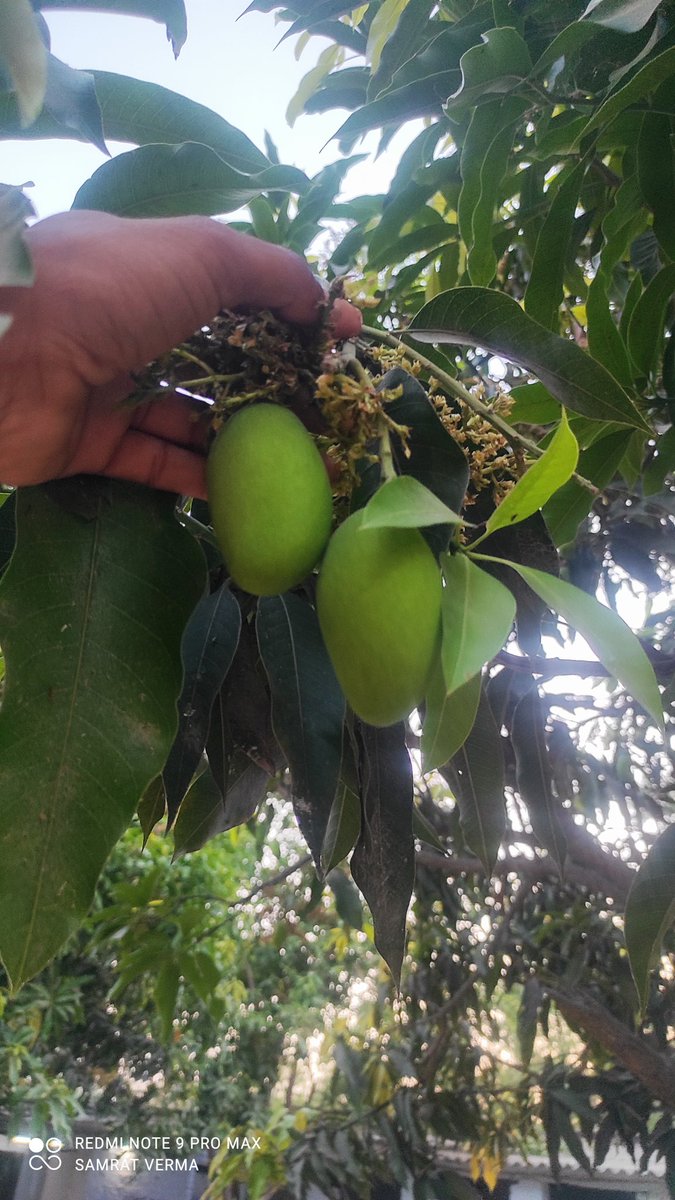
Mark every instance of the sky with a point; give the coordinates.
(228, 64)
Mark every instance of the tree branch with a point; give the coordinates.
(654, 1069)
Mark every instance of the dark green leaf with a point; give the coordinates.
(307, 708)
(205, 812)
(170, 13)
(434, 457)
(645, 329)
(544, 291)
(477, 613)
(662, 463)
(655, 71)
(477, 778)
(479, 317)
(166, 995)
(496, 64)
(151, 807)
(485, 154)
(347, 900)
(208, 647)
(528, 1013)
(96, 703)
(155, 181)
(533, 405)
(650, 909)
(71, 100)
(534, 777)
(566, 509)
(344, 823)
(7, 529)
(383, 862)
(656, 172)
(448, 719)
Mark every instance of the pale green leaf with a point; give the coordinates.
(477, 614)
(448, 719)
(611, 640)
(405, 503)
(548, 473)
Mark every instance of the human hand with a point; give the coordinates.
(110, 295)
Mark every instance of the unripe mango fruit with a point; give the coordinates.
(270, 499)
(379, 607)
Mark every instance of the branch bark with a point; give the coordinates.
(654, 1069)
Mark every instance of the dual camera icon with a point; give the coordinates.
(45, 1154)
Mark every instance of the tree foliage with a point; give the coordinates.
(512, 396)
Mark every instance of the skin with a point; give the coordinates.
(110, 294)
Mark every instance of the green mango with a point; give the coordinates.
(379, 607)
(270, 499)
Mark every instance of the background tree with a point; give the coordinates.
(529, 226)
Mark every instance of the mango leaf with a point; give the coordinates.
(640, 85)
(405, 503)
(143, 113)
(499, 62)
(477, 614)
(534, 776)
(544, 292)
(170, 13)
(570, 39)
(92, 610)
(532, 405)
(165, 996)
(448, 719)
(7, 529)
(24, 55)
(347, 899)
(205, 812)
(476, 776)
(71, 100)
(344, 826)
(662, 463)
(308, 708)
(434, 457)
(383, 862)
(656, 172)
(541, 481)
(645, 328)
(622, 224)
(425, 832)
(151, 807)
(381, 28)
(567, 508)
(650, 910)
(242, 714)
(483, 163)
(168, 181)
(208, 647)
(474, 316)
(610, 639)
(626, 16)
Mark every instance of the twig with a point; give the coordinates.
(457, 389)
